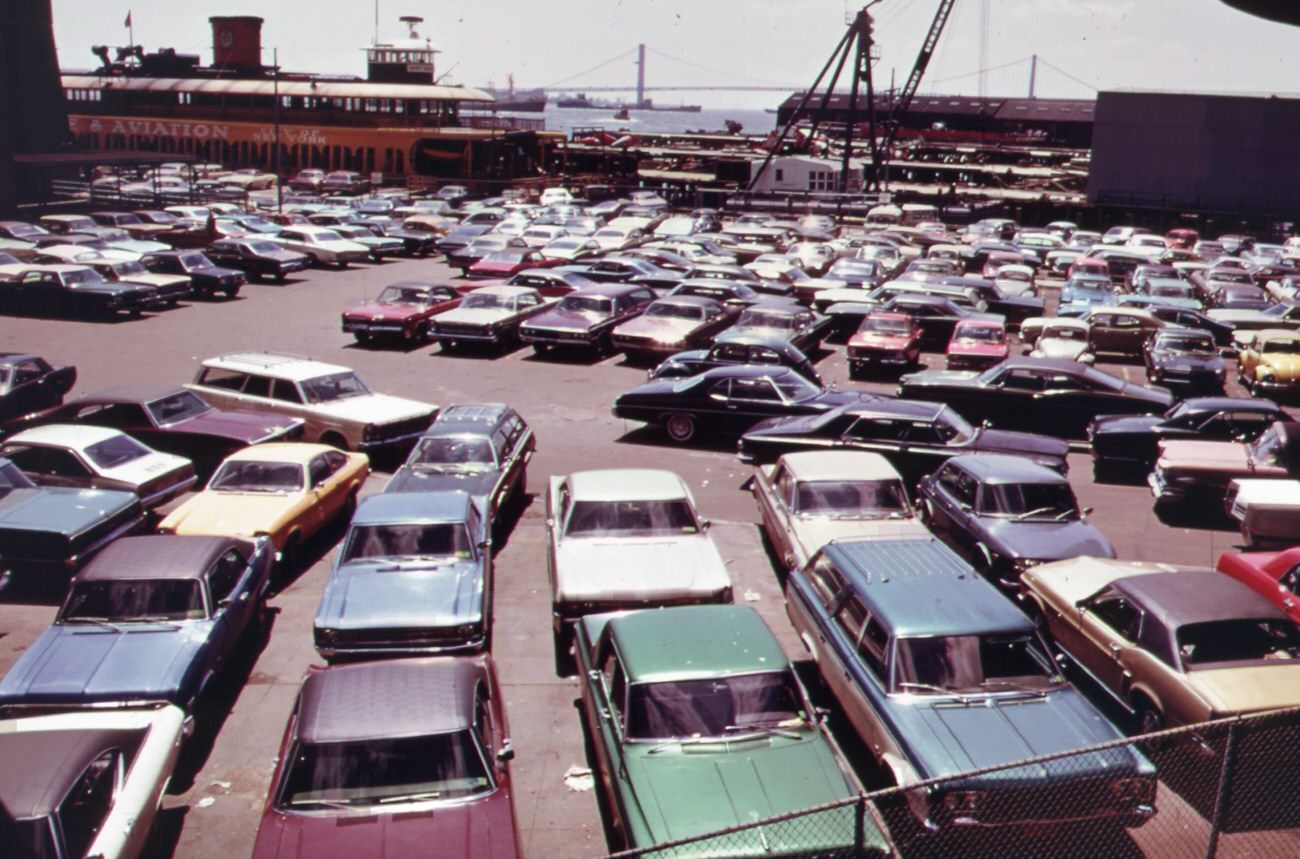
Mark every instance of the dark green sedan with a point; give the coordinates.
(700, 724)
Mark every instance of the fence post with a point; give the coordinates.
(1222, 798)
(859, 824)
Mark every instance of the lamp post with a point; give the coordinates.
(279, 174)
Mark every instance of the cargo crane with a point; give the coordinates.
(858, 42)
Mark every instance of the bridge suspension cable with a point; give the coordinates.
(714, 71)
(595, 68)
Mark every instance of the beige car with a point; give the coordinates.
(1173, 645)
(808, 499)
(1121, 330)
(338, 408)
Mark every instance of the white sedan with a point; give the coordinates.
(91, 457)
(324, 246)
(88, 783)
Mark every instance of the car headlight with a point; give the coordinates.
(963, 801)
(1133, 791)
(326, 636)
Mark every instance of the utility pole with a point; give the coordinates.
(279, 167)
(640, 74)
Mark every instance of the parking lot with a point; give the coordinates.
(216, 799)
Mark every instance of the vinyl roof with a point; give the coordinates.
(703, 640)
(1006, 468)
(391, 699)
(839, 465)
(40, 767)
(269, 87)
(1195, 596)
(159, 556)
(626, 484)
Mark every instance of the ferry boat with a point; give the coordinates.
(399, 120)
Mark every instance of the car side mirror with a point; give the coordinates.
(506, 752)
(986, 424)
(485, 544)
(705, 524)
(1085, 512)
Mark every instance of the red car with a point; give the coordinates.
(406, 757)
(1274, 575)
(509, 263)
(884, 339)
(402, 311)
(978, 344)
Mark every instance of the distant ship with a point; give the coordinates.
(581, 101)
(526, 100)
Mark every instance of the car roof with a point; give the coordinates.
(1217, 403)
(411, 507)
(64, 435)
(159, 556)
(609, 289)
(919, 587)
(894, 409)
(131, 394)
(694, 641)
(390, 699)
(285, 451)
(284, 366)
(42, 766)
(1005, 468)
(1194, 596)
(473, 413)
(15, 357)
(838, 465)
(507, 291)
(688, 301)
(746, 371)
(624, 484)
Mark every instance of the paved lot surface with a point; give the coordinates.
(216, 800)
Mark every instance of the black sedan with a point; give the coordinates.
(1133, 441)
(1186, 357)
(1014, 308)
(626, 270)
(29, 383)
(257, 258)
(916, 437)
(1048, 395)
(208, 278)
(730, 350)
(728, 400)
(1186, 318)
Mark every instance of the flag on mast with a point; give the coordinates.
(127, 22)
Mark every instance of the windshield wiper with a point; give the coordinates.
(925, 687)
(1016, 687)
(410, 797)
(340, 804)
(1067, 512)
(1028, 513)
(97, 621)
(766, 730)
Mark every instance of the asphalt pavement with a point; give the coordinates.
(216, 799)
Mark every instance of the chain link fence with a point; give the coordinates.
(1228, 788)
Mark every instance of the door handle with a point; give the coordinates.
(1113, 648)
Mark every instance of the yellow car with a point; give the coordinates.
(286, 491)
(1269, 360)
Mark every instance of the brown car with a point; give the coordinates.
(1121, 330)
(1173, 645)
(403, 311)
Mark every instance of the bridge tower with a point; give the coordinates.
(640, 74)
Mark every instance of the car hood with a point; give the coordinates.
(478, 484)
(232, 513)
(1205, 455)
(374, 409)
(386, 312)
(364, 595)
(245, 427)
(782, 426)
(473, 830)
(567, 320)
(638, 569)
(976, 347)
(87, 662)
(952, 737)
(1210, 363)
(1236, 316)
(1020, 443)
(475, 315)
(1250, 687)
(1126, 423)
(657, 326)
(1059, 347)
(879, 341)
(691, 789)
(813, 533)
(1046, 540)
(61, 510)
(1285, 366)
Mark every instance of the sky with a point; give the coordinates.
(1082, 45)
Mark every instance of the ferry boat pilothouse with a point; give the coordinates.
(399, 120)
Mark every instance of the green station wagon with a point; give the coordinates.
(699, 723)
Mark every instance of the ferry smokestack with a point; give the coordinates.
(237, 42)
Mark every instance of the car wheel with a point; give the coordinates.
(262, 619)
(290, 557)
(231, 293)
(540, 349)
(422, 333)
(279, 278)
(565, 664)
(927, 512)
(680, 428)
(349, 508)
(855, 371)
(334, 440)
(361, 337)
(1149, 719)
(341, 264)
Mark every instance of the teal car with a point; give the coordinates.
(699, 723)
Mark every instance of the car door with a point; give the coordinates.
(1107, 624)
(84, 809)
(748, 401)
(606, 690)
(232, 604)
(60, 467)
(35, 386)
(949, 504)
(774, 493)
(855, 671)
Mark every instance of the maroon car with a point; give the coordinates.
(405, 757)
(502, 264)
(584, 318)
(402, 311)
(171, 419)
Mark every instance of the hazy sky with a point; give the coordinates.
(1185, 45)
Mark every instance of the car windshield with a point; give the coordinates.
(1064, 332)
(507, 257)
(485, 300)
(885, 325)
(408, 769)
(1269, 447)
(670, 310)
(852, 499)
(12, 478)
(1186, 343)
(134, 600)
(713, 706)
(983, 333)
(116, 450)
(194, 261)
(586, 304)
(85, 276)
(133, 267)
(765, 319)
(337, 386)
(795, 388)
(467, 452)
(1029, 501)
(404, 295)
(972, 663)
(1281, 347)
(631, 518)
(244, 475)
(180, 406)
(565, 244)
(416, 540)
(1237, 640)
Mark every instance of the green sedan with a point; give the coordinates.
(699, 724)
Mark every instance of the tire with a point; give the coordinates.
(231, 293)
(1149, 719)
(855, 372)
(341, 264)
(422, 334)
(290, 557)
(680, 428)
(335, 440)
(540, 349)
(362, 337)
(348, 509)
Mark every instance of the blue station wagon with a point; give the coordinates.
(942, 675)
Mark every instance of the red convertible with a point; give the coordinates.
(402, 311)
(1274, 575)
(510, 263)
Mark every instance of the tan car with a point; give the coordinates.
(1121, 330)
(1269, 361)
(284, 490)
(336, 405)
(1173, 645)
(808, 499)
